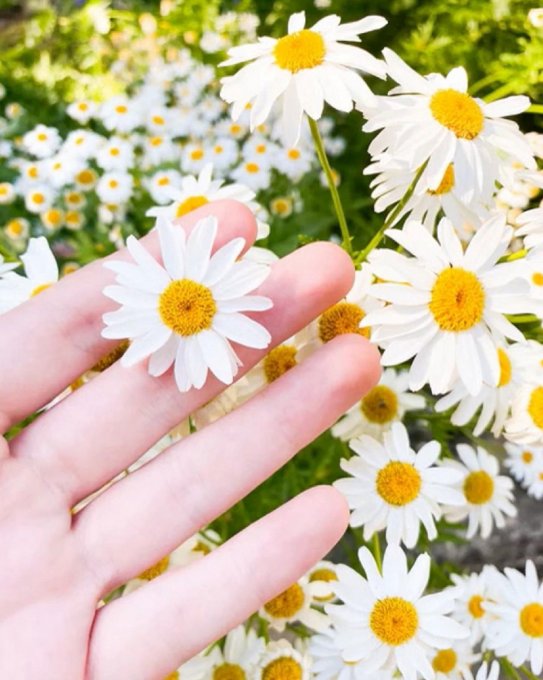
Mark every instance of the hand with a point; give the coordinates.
(56, 565)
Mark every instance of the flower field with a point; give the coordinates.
(409, 135)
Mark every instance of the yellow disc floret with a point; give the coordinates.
(380, 405)
(286, 604)
(458, 112)
(190, 204)
(475, 606)
(187, 307)
(303, 49)
(39, 289)
(156, 570)
(527, 456)
(505, 368)
(229, 671)
(531, 619)
(535, 407)
(283, 668)
(457, 300)
(280, 360)
(446, 184)
(394, 620)
(444, 661)
(345, 317)
(398, 483)
(478, 487)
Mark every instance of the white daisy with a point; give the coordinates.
(198, 668)
(487, 495)
(517, 630)
(304, 69)
(159, 149)
(325, 573)
(296, 605)
(42, 141)
(451, 314)
(386, 621)
(161, 183)
(524, 462)
(396, 489)
(82, 110)
(7, 193)
(293, 162)
(472, 595)
(117, 154)
(458, 129)
(282, 660)
(16, 230)
(39, 197)
(383, 405)
(187, 311)
(86, 179)
(525, 426)
(61, 169)
(82, 143)
(41, 271)
(194, 157)
(239, 656)
(52, 219)
(120, 114)
(260, 149)
(455, 662)
(252, 173)
(223, 153)
(115, 187)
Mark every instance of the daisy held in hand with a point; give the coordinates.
(189, 309)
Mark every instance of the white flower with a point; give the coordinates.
(487, 672)
(240, 655)
(223, 153)
(455, 662)
(293, 162)
(471, 595)
(525, 426)
(82, 110)
(200, 667)
(120, 114)
(42, 141)
(451, 314)
(194, 157)
(187, 311)
(282, 660)
(82, 143)
(61, 169)
(259, 149)
(535, 17)
(296, 604)
(458, 129)
(524, 462)
(383, 405)
(325, 573)
(38, 198)
(161, 183)
(531, 227)
(253, 174)
(159, 149)
(114, 187)
(7, 193)
(517, 630)
(487, 495)
(386, 621)
(304, 69)
(396, 489)
(41, 271)
(117, 154)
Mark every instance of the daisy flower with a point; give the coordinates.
(383, 405)
(325, 573)
(82, 143)
(194, 157)
(41, 271)
(187, 311)
(525, 426)
(458, 129)
(115, 187)
(386, 621)
(487, 495)
(224, 152)
(200, 667)
(52, 219)
(117, 154)
(303, 69)
(86, 179)
(159, 149)
(42, 141)
(7, 193)
(61, 169)
(524, 462)
(472, 595)
(535, 488)
(517, 630)
(531, 227)
(447, 305)
(293, 162)
(296, 604)
(253, 173)
(82, 110)
(396, 489)
(161, 183)
(455, 662)
(239, 656)
(120, 114)
(282, 660)
(282, 206)
(16, 230)
(39, 198)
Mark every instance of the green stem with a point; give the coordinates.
(536, 108)
(377, 237)
(323, 158)
(509, 669)
(377, 552)
(528, 673)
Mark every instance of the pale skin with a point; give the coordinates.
(56, 566)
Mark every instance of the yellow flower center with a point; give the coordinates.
(252, 168)
(344, 317)
(187, 307)
(42, 136)
(235, 129)
(281, 206)
(537, 279)
(527, 457)
(172, 676)
(158, 120)
(505, 368)
(535, 407)
(398, 483)
(287, 603)
(110, 358)
(190, 204)
(114, 151)
(15, 227)
(380, 405)
(458, 112)
(156, 570)
(478, 487)
(113, 184)
(39, 289)
(85, 177)
(280, 360)
(4, 189)
(446, 183)
(38, 198)
(326, 575)
(260, 148)
(394, 620)
(121, 109)
(196, 154)
(303, 49)
(444, 661)
(163, 181)
(53, 217)
(475, 606)
(82, 106)
(293, 154)
(155, 141)
(73, 218)
(33, 172)
(229, 671)
(458, 300)
(79, 140)
(218, 148)
(284, 668)
(531, 619)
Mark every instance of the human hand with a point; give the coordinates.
(56, 565)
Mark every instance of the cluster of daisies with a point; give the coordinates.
(450, 290)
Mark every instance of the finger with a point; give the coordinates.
(149, 633)
(132, 410)
(145, 516)
(58, 331)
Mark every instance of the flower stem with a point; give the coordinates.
(323, 158)
(528, 673)
(377, 237)
(509, 669)
(377, 552)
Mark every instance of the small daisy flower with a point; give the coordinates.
(115, 187)
(7, 193)
(459, 129)
(253, 174)
(295, 605)
(293, 162)
(200, 667)
(517, 630)
(86, 179)
(531, 227)
(157, 119)
(384, 404)
(32, 173)
(535, 488)
(61, 169)
(75, 200)
(42, 141)
(386, 621)
(303, 69)
(239, 656)
(119, 114)
(74, 220)
(325, 573)
(117, 154)
(39, 198)
(223, 153)
(282, 206)
(159, 149)
(41, 272)
(525, 426)
(259, 149)
(187, 311)
(82, 143)
(471, 598)
(396, 489)
(194, 157)
(16, 230)
(82, 110)
(53, 218)
(447, 306)
(455, 662)
(524, 462)
(282, 660)
(161, 183)
(488, 496)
